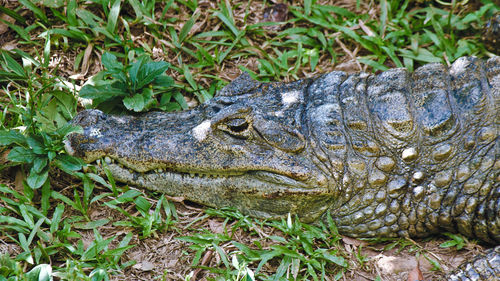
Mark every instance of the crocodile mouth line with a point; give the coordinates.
(265, 177)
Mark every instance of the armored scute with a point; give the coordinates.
(393, 154)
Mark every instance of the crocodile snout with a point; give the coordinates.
(88, 118)
(94, 141)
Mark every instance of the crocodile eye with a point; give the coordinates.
(237, 127)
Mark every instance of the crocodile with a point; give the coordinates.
(395, 154)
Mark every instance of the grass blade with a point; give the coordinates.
(71, 13)
(13, 15)
(187, 27)
(37, 11)
(113, 16)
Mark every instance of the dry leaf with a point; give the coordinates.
(216, 227)
(415, 274)
(144, 266)
(275, 13)
(366, 29)
(18, 182)
(353, 241)
(3, 26)
(9, 46)
(3, 157)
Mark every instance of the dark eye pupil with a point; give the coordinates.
(237, 125)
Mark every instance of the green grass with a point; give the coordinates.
(153, 54)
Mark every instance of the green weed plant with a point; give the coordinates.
(130, 87)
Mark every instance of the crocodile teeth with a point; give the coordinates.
(98, 161)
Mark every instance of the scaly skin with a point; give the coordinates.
(394, 154)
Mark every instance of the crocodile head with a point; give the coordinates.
(246, 148)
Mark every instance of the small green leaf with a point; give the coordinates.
(36, 145)
(189, 77)
(187, 27)
(68, 163)
(117, 252)
(91, 224)
(56, 218)
(142, 204)
(70, 33)
(448, 244)
(36, 180)
(51, 155)
(163, 81)
(10, 137)
(41, 272)
(286, 252)
(435, 264)
(137, 8)
(135, 103)
(278, 238)
(99, 274)
(67, 129)
(179, 98)
(46, 51)
(39, 164)
(98, 179)
(228, 22)
(150, 71)
(94, 92)
(13, 65)
(335, 259)
(21, 155)
(110, 62)
(134, 71)
(6, 220)
(89, 18)
(27, 216)
(59, 196)
(71, 12)
(314, 58)
(374, 64)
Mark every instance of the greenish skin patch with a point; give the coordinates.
(387, 155)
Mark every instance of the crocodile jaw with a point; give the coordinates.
(255, 193)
